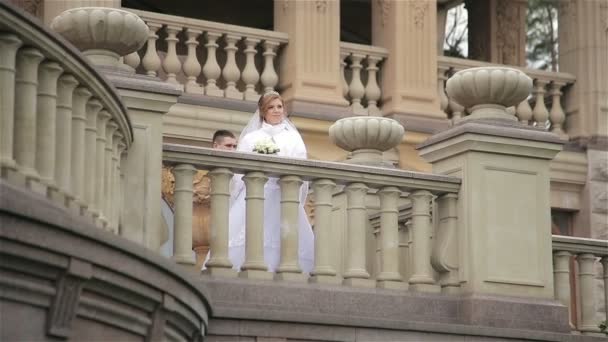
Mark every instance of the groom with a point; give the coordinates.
(224, 140)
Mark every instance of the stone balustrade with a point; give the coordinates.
(543, 108)
(360, 69)
(330, 183)
(188, 52)
(580, 257)
(64, 129)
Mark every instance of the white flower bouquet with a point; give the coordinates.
(266, 146)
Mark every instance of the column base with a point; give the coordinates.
(220, 272)
(391, 284)
(58, 197)
(358, 282)
(256, 274)
(325, 279)
(425, 288)
(293, 277)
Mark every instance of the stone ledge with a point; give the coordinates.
(255, 302)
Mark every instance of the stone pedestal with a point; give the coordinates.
(408, 29)
(310, 63)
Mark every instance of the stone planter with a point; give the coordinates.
(103, 34)
(488, 91)
(366, 137)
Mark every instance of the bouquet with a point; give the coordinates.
(265, 146)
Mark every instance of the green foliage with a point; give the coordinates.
(542, 34)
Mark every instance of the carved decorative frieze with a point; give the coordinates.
(385, 7)
(419, 10)
(321, 6)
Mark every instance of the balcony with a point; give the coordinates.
(399, 254)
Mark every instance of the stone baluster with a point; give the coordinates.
(113, 200)
(63, 156)
(604, 262)
(404, 245)
(151, 60)
(219, 263)
(422, 272)
(251, 76)
(586, 280)
(111, 127)
(372, 89)
(441, 78)
(524, 112)
(254, 266)
(9, 44)
(458, 111)
(171, 63)
(356, 273)
(182, 226)
(192, 67)
(541, 115)
(26, 81)
(289, 268)
(323, 272)
(91, 168)
(119, 183)
(132, 60)
(77, 171)
(356, 89)
(343, 56)
(269, 76)
(46, 122)
(561, 280)
(445, 248)
(557, 115)
(211, 70)
(389, 276)
(231, 71)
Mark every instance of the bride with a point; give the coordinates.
(270, 123)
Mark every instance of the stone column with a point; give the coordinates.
(310, 63)
(182, 237)
(586, 282)
(497, 31)
(583, 51)
(561, 280)
(218, 226)
(254, 266)
(408, 29)
(289, 268)
(504, 167)
(389, 276)
(52, 8)
(356, 272)
(9, 44)
(323, 272)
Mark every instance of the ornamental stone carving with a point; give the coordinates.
(419, 10)
(103, 34)
(321, 6)
(385, 7)
(366, 137)
(489, 91)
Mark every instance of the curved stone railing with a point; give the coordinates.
(585, 253)
(63, 127)
(361, 89)
(542, 109)
(338, 189)
(180, 48)
(61, 278)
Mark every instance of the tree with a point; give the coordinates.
(456, 32)
(541, 42)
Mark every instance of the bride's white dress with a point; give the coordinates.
(290, 144)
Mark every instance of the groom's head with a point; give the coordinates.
(224, 140)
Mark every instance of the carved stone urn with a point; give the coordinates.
(366, 137)
(487, 92)
(103, 34)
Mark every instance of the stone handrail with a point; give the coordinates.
(259, 47)
(64, 128)
(548, 86)
(327, 179)
(586, 252)
(354, 90)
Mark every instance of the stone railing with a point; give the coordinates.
(64, 129)
(542, 109)
(353, 58)
(179, 48)
(336, 187)
(582, 287)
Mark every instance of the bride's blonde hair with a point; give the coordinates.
(265, 100)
